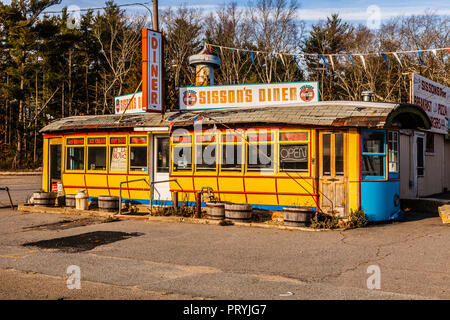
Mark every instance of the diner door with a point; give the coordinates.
(332, 177)
(55, 162)
(161, 167)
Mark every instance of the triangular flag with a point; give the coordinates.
(398, 59)
(332, 62)
(351, 60)
(448, 50)
(210, 50)
(170, 126)
(363, 61)
(251, 55)
(385, 59)
(420, 58)
(324, 61)
(434, 52)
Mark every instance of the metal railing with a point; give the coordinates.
(9, 196)
(151, 191)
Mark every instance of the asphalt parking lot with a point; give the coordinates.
(158, 260)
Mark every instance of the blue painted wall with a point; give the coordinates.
(378, 200)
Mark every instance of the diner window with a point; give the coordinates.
(96, 158)
(206, 157)
(75, 158)
(393, 151)
(182, 157)
(260, 156)
(162, 161)
(294, 157)
(231, 157)
(374, 154)
(326, 154)
(118, 159)
(339, 154)
(138, 158)
(429, 146)
(420, 157)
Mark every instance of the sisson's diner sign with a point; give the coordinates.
(434, 98)
(248, 95)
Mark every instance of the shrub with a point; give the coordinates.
(357, 219)
(324, 221)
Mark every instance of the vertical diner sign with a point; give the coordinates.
(152, 71)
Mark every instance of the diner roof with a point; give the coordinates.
(325, 113)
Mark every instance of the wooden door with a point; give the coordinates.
(333, 172)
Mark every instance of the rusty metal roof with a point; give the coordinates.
(105, 122)
(325, 113)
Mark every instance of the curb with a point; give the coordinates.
(150, 219)
(24, 173)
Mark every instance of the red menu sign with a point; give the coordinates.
(75, 141)
(118, 140)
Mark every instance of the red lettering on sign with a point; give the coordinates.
(181, 139)
(139, 140)
(208, 138)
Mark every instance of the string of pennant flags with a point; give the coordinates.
(331, 56)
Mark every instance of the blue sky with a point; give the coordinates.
(310, 11)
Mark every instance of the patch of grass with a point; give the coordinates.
(357, 219)
(225, 223)
(324, 221)
(110, 219)
(182, 211)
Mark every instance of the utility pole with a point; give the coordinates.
(155, 15)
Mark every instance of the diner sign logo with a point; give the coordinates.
(249, 95)
(434, 98)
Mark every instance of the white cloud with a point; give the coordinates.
(355, 14)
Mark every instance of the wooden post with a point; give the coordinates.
(155, 16)
(175, 199)
(198, 205)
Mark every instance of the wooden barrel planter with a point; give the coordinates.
(108, 203)
(44, 199)
(70, 200)
(297, 216)
(215, 210)
(238, 212)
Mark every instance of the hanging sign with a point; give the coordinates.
(248, 95)
(152, 71)
(134, 106)
(434, 98)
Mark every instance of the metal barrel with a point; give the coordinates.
(297, 216)
(215, 210)
(70, 200)
(44, 199)
(108, 203)
(240, 212)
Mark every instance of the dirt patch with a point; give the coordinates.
(82, 242)
(64, 224)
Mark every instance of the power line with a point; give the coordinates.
(99, 8)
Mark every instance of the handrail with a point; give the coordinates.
(151, 189)
(9, 196)
(120, 190)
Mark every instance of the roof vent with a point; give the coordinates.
(367, 95)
